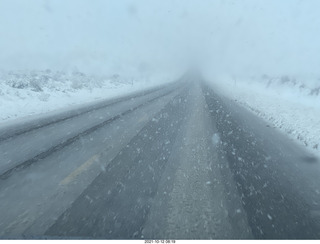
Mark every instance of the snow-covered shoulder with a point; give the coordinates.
(291, 104)
(30, 94)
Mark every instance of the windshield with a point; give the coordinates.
(159, 120)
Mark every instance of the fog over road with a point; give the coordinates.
(174, 162)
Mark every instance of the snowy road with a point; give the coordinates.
(172, 163)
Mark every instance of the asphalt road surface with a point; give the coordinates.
(174, 162)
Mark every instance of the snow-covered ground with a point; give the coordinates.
(24, 94)
(290, 104)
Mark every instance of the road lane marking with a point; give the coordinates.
(143, 118)
(79, 170)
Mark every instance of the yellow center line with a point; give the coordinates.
(79, 170)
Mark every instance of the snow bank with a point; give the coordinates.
(29, 93)
(291, 104)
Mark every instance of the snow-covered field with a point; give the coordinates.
(30, 93)
(290, 104)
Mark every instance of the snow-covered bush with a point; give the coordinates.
(38, 81)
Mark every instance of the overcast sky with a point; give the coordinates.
(130, 36)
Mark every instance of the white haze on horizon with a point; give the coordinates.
(148, 36)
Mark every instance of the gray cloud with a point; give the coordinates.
(248, 36)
